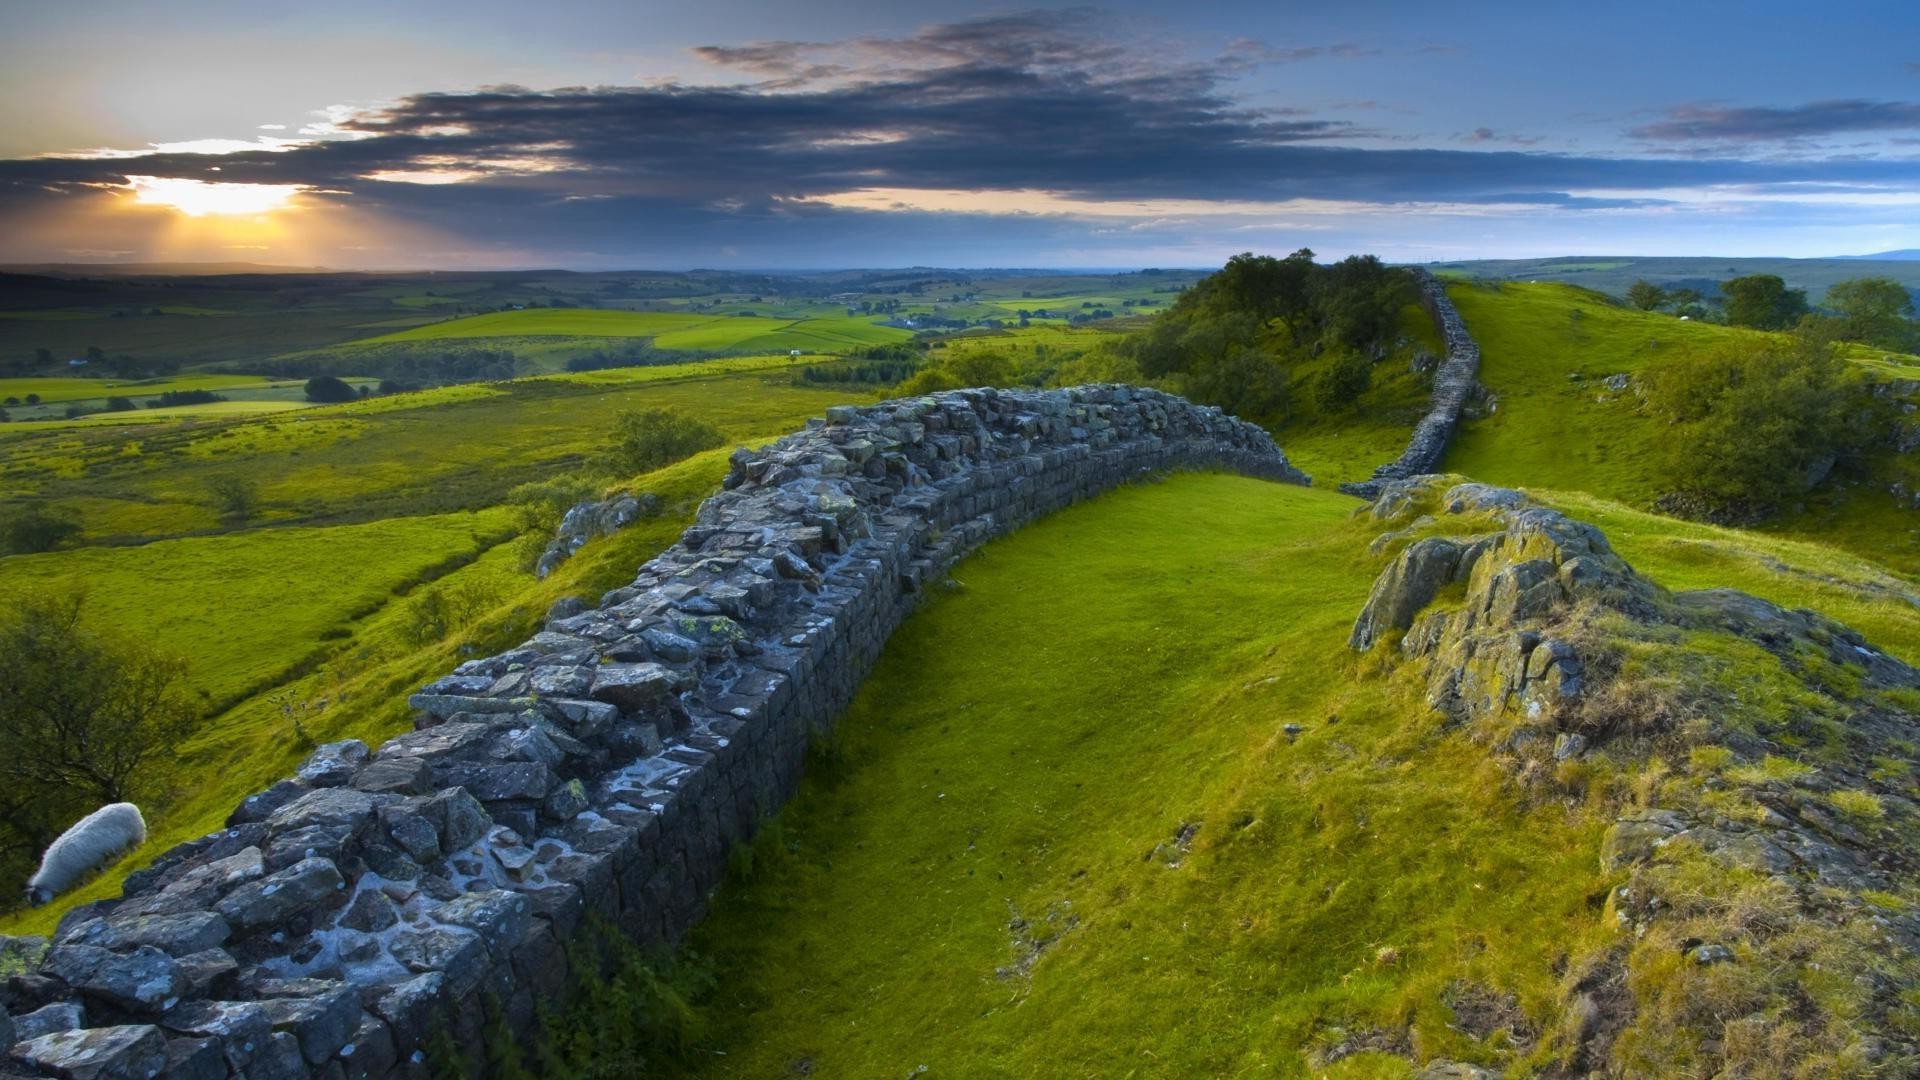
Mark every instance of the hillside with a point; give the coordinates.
(1553, 420)
(1019, 853)
(1612, 274)
(1450, 783)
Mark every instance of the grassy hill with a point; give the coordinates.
(1546, 350)
(1121, 802)
(1117, 801)
(1612, 274)
(299, 621)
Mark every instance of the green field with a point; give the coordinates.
(668, 330)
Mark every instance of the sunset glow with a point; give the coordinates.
(198, 198)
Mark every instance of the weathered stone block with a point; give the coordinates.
(272, 899)
(128, 1052)
(145, 980)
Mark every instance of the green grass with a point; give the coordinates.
(54, 389)
(454, 448)
(669, 330)
(1348, 444)
(1031, 746)
(247, 606)
(351, 686)
(1552, 430)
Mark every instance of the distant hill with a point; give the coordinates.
(170, 269)
(1613, 273)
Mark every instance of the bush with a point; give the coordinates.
(1338, 388)
(176, 398)
(1752, 429)
(652, 439)
(234, 496)
(326, 390)
(36, 529)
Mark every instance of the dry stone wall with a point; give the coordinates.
(603, 767)
(1454, 382)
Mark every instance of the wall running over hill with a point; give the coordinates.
(1453, 384)
(602, 768)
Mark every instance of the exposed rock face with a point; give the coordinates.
(1777, 729)
(1454, 386)
(604, 766)
(588, 520)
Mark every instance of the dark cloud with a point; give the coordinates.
(1759, 124)
(1034, 101)
(1484, 135)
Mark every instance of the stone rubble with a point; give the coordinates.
(604, 767)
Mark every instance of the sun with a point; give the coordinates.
(198, 198)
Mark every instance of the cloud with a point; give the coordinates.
(1052, 127)
(1484, 135)
(1761, 124)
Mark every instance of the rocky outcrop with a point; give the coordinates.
(602, 769)
(1773, 820)
(590, 520)
(1454, 385)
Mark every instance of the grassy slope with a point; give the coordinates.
(1027, 752)
(356, 687)
(459, 448)
(1551, 431)
(307, 620)
(584, 329)
(1333, 447)
(247, 606)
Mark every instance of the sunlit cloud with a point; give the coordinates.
(267, 143)
(198, 198)
(424, 176)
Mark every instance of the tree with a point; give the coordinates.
(1763, 302)
(36, 529)
(1876, 310)
(326, 389)
(1338, 388)
(1751, 429)
(235, 496)
(43, 357)
(1686, 302)
(1645, 295)
(650, 439)
(83, 712)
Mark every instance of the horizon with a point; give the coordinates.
(746, 135)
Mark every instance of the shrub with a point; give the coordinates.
(650, 439)
(326, 389)
(234, 496)
(36, 529)
(1338, 388)
(1753, 428)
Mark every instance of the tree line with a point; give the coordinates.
(1874, 311)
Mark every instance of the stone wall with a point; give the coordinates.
(605, 766)
(1454, 382)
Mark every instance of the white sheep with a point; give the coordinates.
(92, 842)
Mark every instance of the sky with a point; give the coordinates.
(799, 134)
